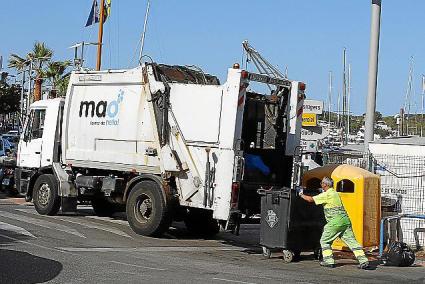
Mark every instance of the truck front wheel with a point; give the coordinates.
(45, 195)
(147, 212)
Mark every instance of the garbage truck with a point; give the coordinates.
(162, 143)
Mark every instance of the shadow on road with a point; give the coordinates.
(23, 267)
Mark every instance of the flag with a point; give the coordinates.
(107, 9)
(95, 13)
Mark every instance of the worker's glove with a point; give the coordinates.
(300, 190)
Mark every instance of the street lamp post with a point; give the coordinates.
(373, 72)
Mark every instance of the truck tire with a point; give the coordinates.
(147, 212)
(45, 195)
(102, 207)
(200, 222)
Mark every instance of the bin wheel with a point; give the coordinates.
(288, 256)
(317, 254)
(267, 252)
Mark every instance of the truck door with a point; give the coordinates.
(32, 142)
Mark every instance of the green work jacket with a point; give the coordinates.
(335, 213)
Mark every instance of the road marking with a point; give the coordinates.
(82, 222)
(35, 245)
(150, 249)
(41, 223)
(108, 219)
(92, 225)
(138, 266)
(15, 229)
(233, 281)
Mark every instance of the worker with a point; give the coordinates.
(338, 224)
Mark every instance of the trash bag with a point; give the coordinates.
(398, 254)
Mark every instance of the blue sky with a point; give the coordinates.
(306, 36)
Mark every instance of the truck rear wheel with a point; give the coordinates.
(201, 222)
(45, 195)
(147, 212)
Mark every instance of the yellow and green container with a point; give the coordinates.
(360, 192)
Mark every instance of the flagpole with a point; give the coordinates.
(100, 35)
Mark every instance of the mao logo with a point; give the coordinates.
(102, 108)
(272, 218)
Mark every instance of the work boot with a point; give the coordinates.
(365, 266)
(328, 265)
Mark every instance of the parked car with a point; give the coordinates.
(2, 148)
(12, 139)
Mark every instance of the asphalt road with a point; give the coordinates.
(84, 248)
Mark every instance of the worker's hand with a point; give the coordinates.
(300, 190)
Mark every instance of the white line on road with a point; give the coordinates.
(15, 229)
(108, 219)
(138, 266)
(149, 249)
(233, 281)
(41, 223)
(36, 245)
(92, 225)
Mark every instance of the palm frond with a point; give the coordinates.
(17, 62)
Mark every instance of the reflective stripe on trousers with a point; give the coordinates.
(345, 233)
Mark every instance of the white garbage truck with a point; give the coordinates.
(163, 143)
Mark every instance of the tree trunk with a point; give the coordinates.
(37, 89)
(53, 94)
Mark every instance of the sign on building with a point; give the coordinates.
(313, 106)
(309, 119)
(309, 146)
(314, 133)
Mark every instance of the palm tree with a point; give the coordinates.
(39, 55)
(55, 72)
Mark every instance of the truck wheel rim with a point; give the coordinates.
(44, 194)
(143, 208)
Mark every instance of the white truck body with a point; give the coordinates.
(113, 124)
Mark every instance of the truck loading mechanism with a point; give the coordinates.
(163, 143)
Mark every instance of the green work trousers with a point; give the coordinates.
(345, 233)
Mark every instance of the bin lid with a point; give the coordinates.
(352, 172)
(337, 172)
(318, 173)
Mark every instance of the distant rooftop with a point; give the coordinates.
(404, 140)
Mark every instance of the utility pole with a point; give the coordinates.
(375, 28)
(21, 104)
(28, 100)
(100, 35)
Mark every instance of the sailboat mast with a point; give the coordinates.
(348, 99)
(344, 96)
(330, 98)
(422, 104)
(100, 35)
